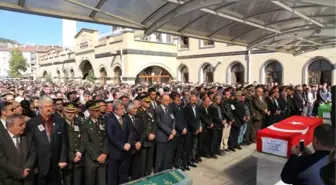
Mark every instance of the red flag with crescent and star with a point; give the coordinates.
(278, 138)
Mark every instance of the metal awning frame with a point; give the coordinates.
(185, 7)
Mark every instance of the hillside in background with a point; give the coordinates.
(4, 40)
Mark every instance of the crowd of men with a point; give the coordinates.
(93, 135)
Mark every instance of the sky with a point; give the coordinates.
(33, 29)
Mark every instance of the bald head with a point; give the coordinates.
(165, 100)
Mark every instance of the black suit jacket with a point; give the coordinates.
(217, 121)
(165, 124)
(193, 122)
(13, 163)
(239, 113)
(135, 129)
(180, 123)
(118, 136)
(49, 153)
(205, 116)
(298, 103)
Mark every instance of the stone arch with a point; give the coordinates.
(183, 73)
(158, 65)
(72, 73)
(117, 74)
(44, 74)
(235, 73)
(85, 67)
(277, 74)
(154, 73)
(323, 75)
(102, 74)
(206, 73)
(58, 73)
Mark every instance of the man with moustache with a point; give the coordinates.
(73, 173)
(50, 137)
(17, 153)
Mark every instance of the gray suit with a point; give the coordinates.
(165, 126)
(13, 162)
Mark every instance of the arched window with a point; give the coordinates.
(208, 73)
(273, 72)
(153, 74)
(237, 73)
(185, 74)
(319, 72)
(117, 75)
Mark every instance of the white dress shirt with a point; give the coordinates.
(13, 138)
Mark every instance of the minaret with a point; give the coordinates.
(69, 30)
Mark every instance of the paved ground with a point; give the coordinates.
(234, 168)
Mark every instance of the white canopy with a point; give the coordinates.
(292, 26)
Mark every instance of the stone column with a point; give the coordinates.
(248, 67)
(333, 75)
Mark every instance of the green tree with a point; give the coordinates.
(91, 77)
(17, 63)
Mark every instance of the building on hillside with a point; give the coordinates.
(126, 56)
(29, 52)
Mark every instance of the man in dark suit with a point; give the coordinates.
(299, 101)
(120, 139)
(50, 137)
(6, 109)
(218, 122)
(136, 129)
(179, 148)
(206, 121)
(240, 117)
(290, 100)
(192, 117)
(17, 153)
(73, 173)
(147, 119)
(152, 95)
(261, 110)
(164, 135)
(249, 95)
(96, 146)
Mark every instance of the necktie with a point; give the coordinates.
(17, 143)
(166, 110)
(133, 120)
(121, 123)
(193, 107)
(47, 130)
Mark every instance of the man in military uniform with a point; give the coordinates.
(95, 142)
(146, 118)
(72, 174)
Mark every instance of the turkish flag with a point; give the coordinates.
(278, 139)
